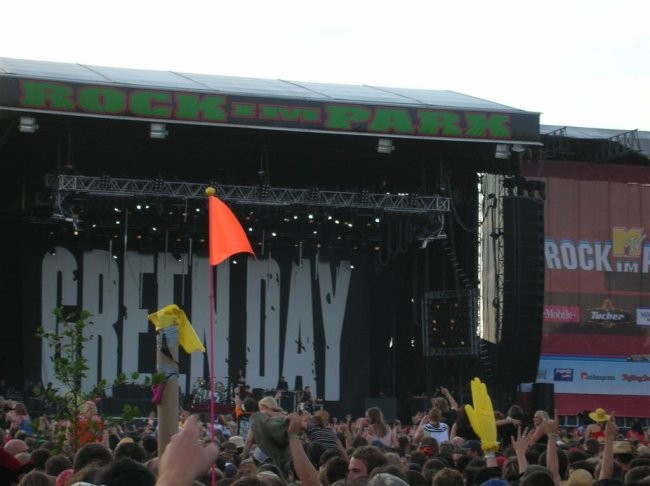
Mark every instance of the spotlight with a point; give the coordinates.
(518, 148)
(385, 146)
(264, 191)
(502, 151)
(27, 124)
(158, 130)
(364, 197)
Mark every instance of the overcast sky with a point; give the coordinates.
(577, 62)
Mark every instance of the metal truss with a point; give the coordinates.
(255, 195)
(620, 145)
(556, 144)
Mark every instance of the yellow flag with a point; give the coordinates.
(173, 315)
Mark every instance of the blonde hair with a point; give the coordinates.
(321, 417)
(542, 414)
(270, 403)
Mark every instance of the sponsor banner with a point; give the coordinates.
(607, 377)
(643, 317)
(595, 243)
(562, 313)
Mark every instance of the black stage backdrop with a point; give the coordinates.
(315, 316)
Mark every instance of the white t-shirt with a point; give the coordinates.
(439, 432)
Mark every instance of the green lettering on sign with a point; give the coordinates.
(391, 120)
(147, 103)
(481, 125)
(343, 117)
(243, 110)
(289, 113)
(440, 123)
(102, 100)
(197, 107)
(37, 94)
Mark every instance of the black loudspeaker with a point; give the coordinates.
(523, 289)
(258, 393)
(288, 401)
(544, 397)
(388, 407)
(298, 386)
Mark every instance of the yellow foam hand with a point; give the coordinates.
(481, 416)
(173, 315)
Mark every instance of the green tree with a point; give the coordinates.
(70, 367)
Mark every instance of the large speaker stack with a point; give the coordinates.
(544, 397)
(523, 289)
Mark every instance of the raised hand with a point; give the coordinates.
(521, 443)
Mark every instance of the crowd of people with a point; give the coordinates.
(263, 445)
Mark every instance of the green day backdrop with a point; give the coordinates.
(596, 332)
(274, 314)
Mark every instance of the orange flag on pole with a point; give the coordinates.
(226, 237)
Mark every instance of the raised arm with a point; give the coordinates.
(520, 445)
(453, 404)
(185, 458)
(552, 462)
(607, 458)
(304, 468)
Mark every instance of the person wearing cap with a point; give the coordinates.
(238, 442)
(623, 452)
(597, 429)
(473, 449)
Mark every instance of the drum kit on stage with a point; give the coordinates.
(201, 393)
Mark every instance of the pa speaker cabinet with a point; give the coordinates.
(523, 288)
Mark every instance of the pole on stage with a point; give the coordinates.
(173, 328)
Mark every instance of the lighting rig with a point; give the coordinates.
(151, 206)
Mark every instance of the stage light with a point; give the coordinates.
(385, 146)
(264, 191)
(105, 183)
(27, 124)
(517, 148)
(158, 131)
(502, 151)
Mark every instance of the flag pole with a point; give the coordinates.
(226, 237)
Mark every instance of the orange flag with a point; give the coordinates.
(226, 237)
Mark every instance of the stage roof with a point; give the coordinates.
(638, 139)
(174, 97)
